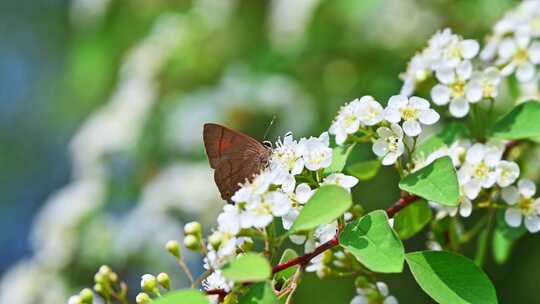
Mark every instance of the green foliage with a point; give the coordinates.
(327, 204)
(340, 154)
(260, 293)
(520, 123)
(451, 279)
(190, 296)
(412, 219)
(436, 182)
(364, 170)
(447, 136)
(250, 267)
(373, 242)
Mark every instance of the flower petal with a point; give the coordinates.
(513, 216)
(392, 114)
(459, 107)
(470, 48)
(412, 128)
(429, 117)
(440, 94)
(474, 91)
(510, 195)
(525, 72)
(526, 188)
(398, 101)
(380, 148)
(419, 103)
(532, 223)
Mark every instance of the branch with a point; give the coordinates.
(303, 260)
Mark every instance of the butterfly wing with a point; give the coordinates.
(235, 157)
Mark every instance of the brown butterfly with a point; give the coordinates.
(234, 156)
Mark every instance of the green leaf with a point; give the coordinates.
(412, 219)
(286, 274)
(250, 267)
(190, 296)
(451, 279)
(520, 123)
(364, 170)
(340, 154)
(374, 244)
(447, 136)
(260, 293)
(327, 204)
(436, 182)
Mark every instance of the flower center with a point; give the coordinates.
(521, 55)
(489, 89)
(409, 113)
(393, 143)
(458, 88)
(481, 171)
(349, 120)
(526, 205)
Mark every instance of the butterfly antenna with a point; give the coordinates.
(268, 128)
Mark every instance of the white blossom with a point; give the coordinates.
(484, 84)
(316, 152)
(298, 198)
(478, 171)
(340, 179)
(507, 173)
(522, 205)
(370, 111)
(453, 88)
(412, 111)
(288, 154)
(389, 146)
(519, 54)
(347, 121)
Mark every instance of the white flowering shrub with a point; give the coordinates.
(466, 182)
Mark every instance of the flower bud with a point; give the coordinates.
(191, 242)
(105, 270)
(173, 248)
(361, 282)
(163, 280)
(215, 240)
(194, 228)
(113, 277)
(142, 298)
(327, 257)
(87, 296)
(100, 278)
(148, 283)
(99, 289)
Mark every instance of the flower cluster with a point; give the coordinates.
(479, 167)
(376, 293)
(514, 44)
(522, 206)
(364, 114)
(272, 194)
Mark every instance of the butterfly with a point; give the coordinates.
(234, 156)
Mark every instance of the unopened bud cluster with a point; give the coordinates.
(193, 235)
(151, 284)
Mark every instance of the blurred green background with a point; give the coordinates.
(101, 110)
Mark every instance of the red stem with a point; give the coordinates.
(303, 260)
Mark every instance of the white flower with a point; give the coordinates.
(381, 295)
(288, 154)
(484, 84)
(520, 55)
(411, 110)
(229, 219)
(347, 121)
(301, 195)
(464, 209)
(75, 300)
(453, 89)
(522, 205)
(370, 111)
(507, 173)
(452, 49)
(418, 70)
(252, 190)
(316, 152)
(217, 281)
(260, 212)
(340, 179)
(389, 145)
(478, 171)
